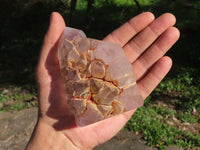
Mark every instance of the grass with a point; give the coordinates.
(25, 23)
(16, 99)
(187, 117)
(151, 121)
(184, 85)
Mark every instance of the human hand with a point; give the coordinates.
(144, 41)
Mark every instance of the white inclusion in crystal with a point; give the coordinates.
(78, 36)
(63, 51)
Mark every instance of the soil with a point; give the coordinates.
(16, 128)
(173, 121)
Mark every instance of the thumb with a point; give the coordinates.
(52, 36)
(48, 62)
(48, 54)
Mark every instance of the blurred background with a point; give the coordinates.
(171, 114)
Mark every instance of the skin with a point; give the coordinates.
(144, 39)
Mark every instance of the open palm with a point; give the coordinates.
(144, 39)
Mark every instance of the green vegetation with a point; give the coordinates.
(16, 99)
(187, 117)
(184, 85)
(159, 129)
(157, 123)
(175, 102)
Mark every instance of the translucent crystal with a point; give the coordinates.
(79, 105)
(118, 107)
(96, 85)
(106, 110)
(97, 76)
(106, 95)
(97, 69)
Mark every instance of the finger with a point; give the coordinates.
(146, 86)
(52, 36)
(143, 40)
(102, 131)
(155, 52)
(48, 55)
(124, 33)
(156, 74)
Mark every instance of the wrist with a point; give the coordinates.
(45, 137)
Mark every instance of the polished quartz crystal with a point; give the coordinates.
(97, 76)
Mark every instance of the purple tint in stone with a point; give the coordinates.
(111, 88)
(108, 52)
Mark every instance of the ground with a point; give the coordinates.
(16, 128)
(18, 115)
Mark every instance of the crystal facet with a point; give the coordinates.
(97, 76)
